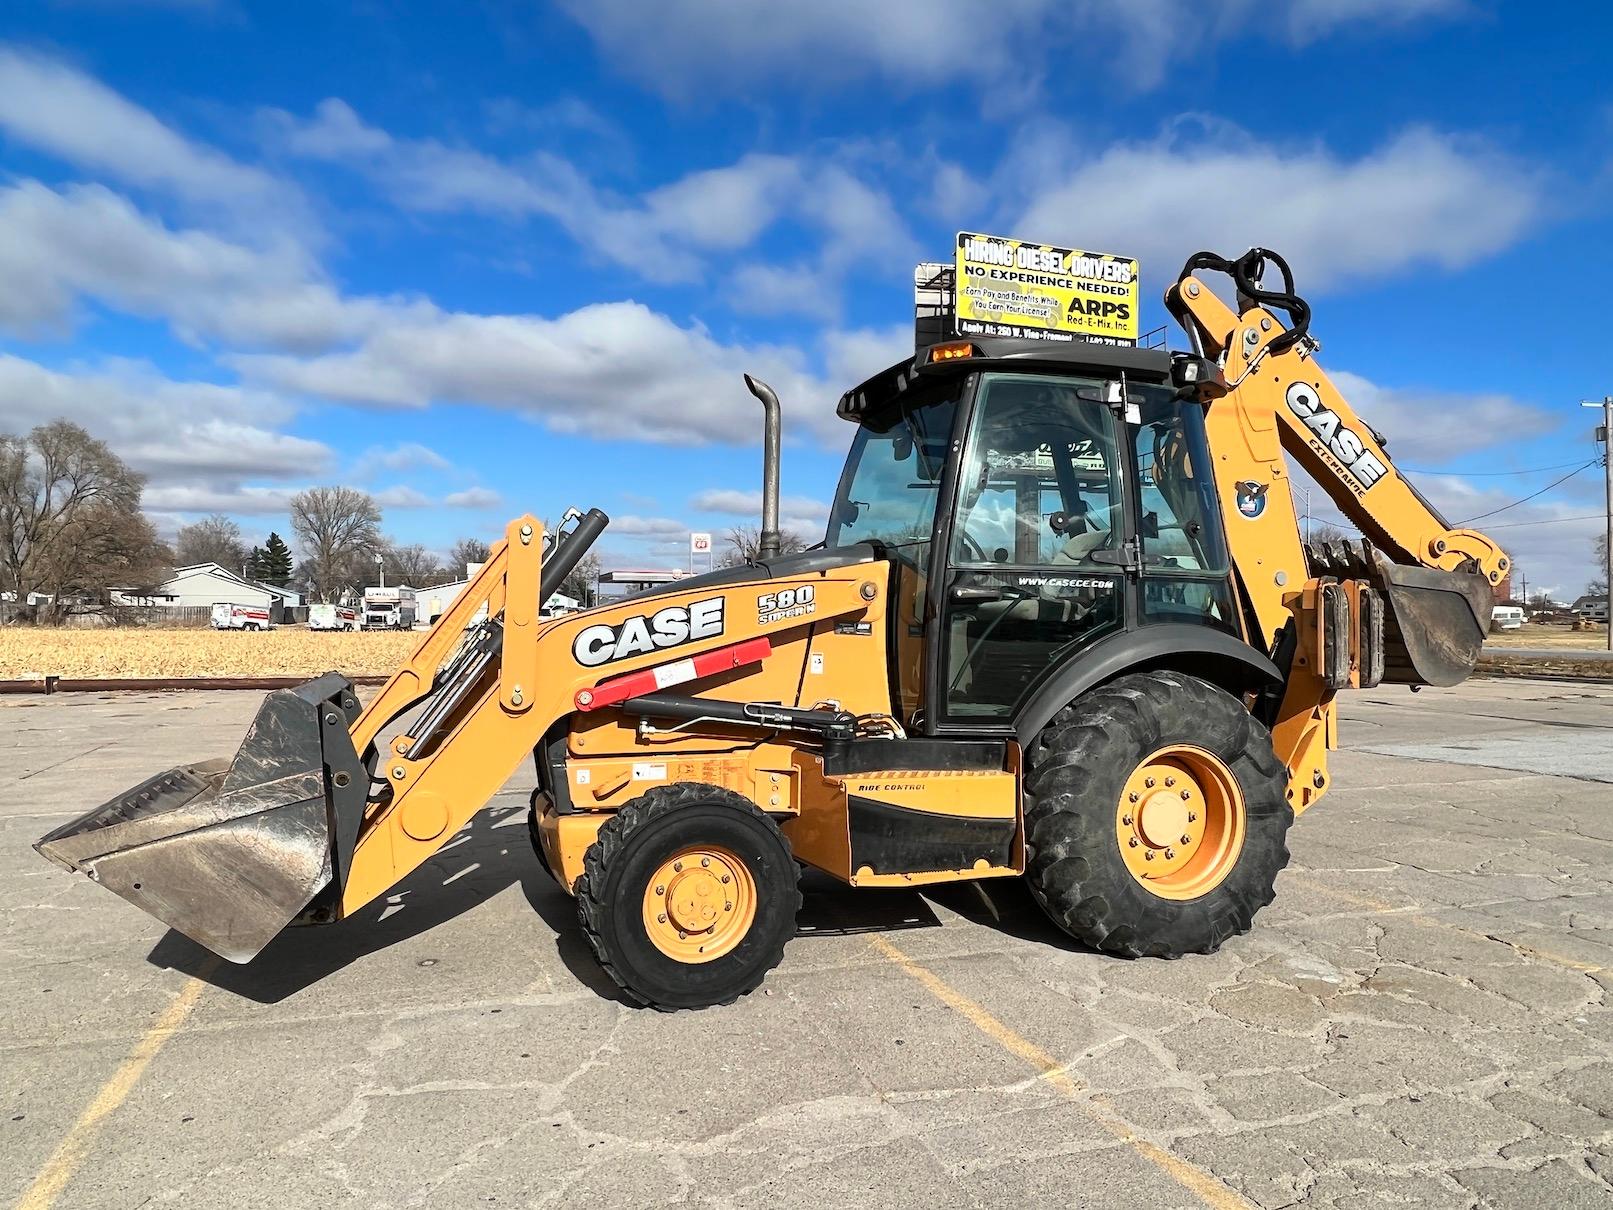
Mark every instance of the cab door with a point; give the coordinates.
(1039, 546)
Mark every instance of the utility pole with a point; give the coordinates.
(1605, 436)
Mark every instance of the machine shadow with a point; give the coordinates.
(493, 853)
(490, 854)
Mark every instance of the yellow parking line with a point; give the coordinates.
(59, 1169)
(1208, 1189)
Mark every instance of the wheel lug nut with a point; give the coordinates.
(727, 907)
(1126, 819)
(725, 877)
(661, 919)
(1131, 797)
(705, 861)
(1148, 782)
(682, 936)
(1170, 781)
(677, 866)
(1186, 794)
(1148, 856)
(1170, 853)
(1186, 839)
(1191, 816)
(1133, 843)
(660, 890)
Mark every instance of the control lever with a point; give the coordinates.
(966, 593)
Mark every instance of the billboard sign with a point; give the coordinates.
(1009, 287)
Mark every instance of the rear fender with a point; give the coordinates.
(1199, 651)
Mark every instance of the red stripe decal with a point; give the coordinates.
(662, 676)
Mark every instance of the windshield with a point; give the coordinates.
(888, 490)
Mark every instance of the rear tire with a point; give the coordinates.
(1085, 833)
(688, 896)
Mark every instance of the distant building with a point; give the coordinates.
(431, 603)
(206, 585)
(1591, 607)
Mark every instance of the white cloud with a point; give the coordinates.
(402, 496)
(666, 234)
(1311, 20)
(58, 109)
(175, 432)
(611, 370)
(734, 502)
(88, 240)
(629, 524)
(175, 502)
(695, 48)
(1433, 427)
(660, 235)
(473, 497)
(406, 456)
(1422, 199)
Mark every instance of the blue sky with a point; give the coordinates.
(488, 257)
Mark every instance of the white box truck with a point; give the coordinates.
(333, 617)
(389, 608)
(240, 617)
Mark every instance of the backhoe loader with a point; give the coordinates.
(1062, 627)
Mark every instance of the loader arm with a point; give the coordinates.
(477, 719)
(1414, 578)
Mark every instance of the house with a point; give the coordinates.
(1594, 607)
(207, 584)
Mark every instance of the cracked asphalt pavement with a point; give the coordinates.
(1422, 1017)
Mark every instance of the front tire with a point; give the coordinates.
(1156, 817)
(688, 896)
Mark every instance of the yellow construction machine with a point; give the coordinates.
(1062, 626)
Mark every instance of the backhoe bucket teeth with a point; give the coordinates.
(1434, 621)
(230, 852)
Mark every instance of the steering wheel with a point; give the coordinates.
(971, 548)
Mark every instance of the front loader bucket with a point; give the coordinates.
(230, 852)
(1434, 621)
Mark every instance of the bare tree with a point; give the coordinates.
(70, 520)
(1326, 531)
(339, 530)
(466, 550)
(214, 539)
(413, 564)
(744, 541)
(581, 582)
(1598, 584)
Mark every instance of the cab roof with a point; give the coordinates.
(1024, 354)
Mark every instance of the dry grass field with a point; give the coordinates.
(27, 652)
(1555, 637)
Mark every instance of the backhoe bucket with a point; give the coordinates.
(230, 852)
(1434, 621)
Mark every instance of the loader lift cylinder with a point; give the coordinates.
(472, 663)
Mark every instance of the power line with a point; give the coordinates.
(1548, 521)
(1534, 470)
(1532, 495)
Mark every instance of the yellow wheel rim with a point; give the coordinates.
(1180, 822)
(699, 904)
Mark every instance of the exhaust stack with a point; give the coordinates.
(767, 547)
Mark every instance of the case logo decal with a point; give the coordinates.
(670, 627)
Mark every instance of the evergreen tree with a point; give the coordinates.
(256, 568)
(276, 561)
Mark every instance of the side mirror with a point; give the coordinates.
(1197, 378)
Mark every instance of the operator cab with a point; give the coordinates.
(1059, 494)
